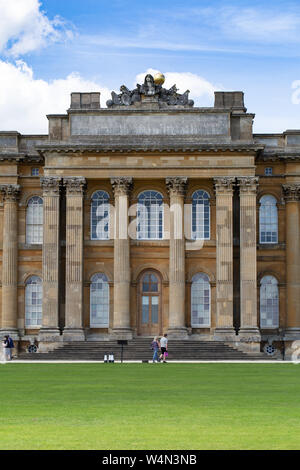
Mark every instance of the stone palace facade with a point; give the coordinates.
(150, 216)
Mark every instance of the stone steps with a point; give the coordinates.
(140, 349)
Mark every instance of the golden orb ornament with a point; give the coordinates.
(159, 78)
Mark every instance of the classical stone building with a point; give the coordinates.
(151, 215)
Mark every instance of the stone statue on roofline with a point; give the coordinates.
(151, 91)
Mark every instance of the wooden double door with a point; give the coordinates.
(149, 297)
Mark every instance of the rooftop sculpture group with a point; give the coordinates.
(151, 88)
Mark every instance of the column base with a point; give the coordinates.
(73, 334)
(249, 339)
(122, 333)
(180, 332)
(49, 335)
(225, 334)
(12, 332)
(292, 334)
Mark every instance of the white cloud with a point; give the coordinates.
(25, 101)
(260, 25)
(24, 27)
(200, 88)
(296, 93)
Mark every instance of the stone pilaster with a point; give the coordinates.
(224, 285)
(177, 325)
(73, 330)
(249, 331)
(49, 331)
(291, 193)
(121, 321)
(9, 325)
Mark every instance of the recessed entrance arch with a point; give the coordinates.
(149, 301)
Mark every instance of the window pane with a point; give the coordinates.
(200, 216)
(100, 216)
(150, 216)
(34, 221)
(99, 301)
(268, 220)
(33, 301)
(154, 309)
(200, 305)
(269, 303)
(145, 309)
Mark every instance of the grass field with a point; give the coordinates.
(149, 406)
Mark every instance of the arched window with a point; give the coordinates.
(200, 301)
(268, 220)
(100, 216)
(269, 302)
(150, 216)
(33, 301)
(200, 215)
(34, 221)
(99, 301)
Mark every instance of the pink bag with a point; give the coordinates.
(166, 354)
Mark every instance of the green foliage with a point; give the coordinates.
(149, 406)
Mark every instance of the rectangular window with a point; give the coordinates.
(268, 171)
(35, 171)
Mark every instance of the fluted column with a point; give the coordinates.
(9, 325)
(224, 285)
(291, 194)
(73, 330)
(51, 186)
(248, 271)
(177, 327)
(121, 321)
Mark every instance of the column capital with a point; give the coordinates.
(248, 184)
(224, 184)
(10, 192)
(51, 185)
(291, 192)
(176, 185)
(121, 185)
(75, 184)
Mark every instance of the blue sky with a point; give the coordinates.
(48, 47)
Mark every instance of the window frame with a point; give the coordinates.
(265, 210)
(96, 280)
(105, 201)
(34, 230)
(205, 283)
(28, 283)
(158, 217)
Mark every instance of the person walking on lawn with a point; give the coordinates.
(164, 347)
(155, 346)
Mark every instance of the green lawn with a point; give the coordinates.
(150, 406)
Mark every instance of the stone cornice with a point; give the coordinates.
(121, 185)
(10, 192)
(176, 185)
(291, 192)
(147, 144)
(20, 157)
